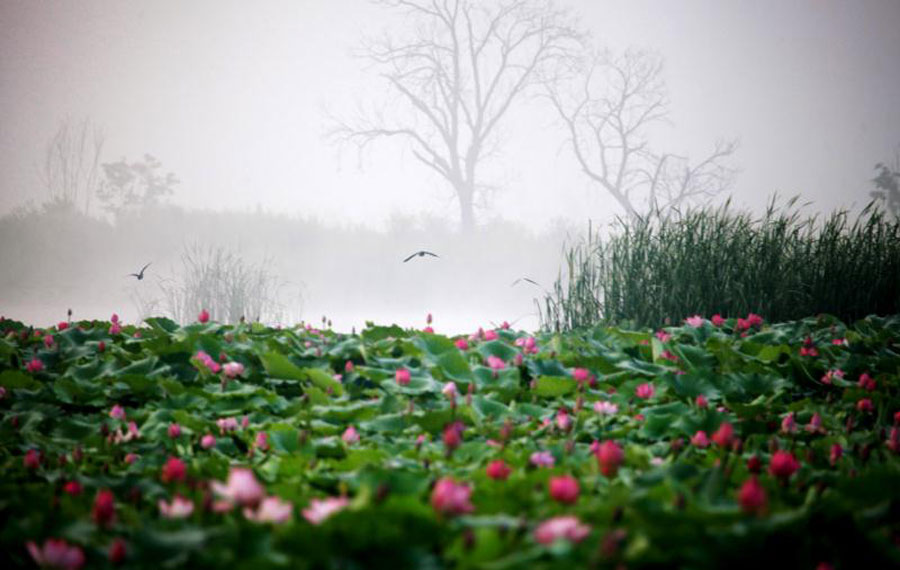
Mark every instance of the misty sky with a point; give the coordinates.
(233, 97)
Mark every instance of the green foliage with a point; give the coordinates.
(670, 504)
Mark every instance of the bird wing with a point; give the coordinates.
(145, 267)
(526, 279)
(410, 257)
(431, 254)
(134, 275)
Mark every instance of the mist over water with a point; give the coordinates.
(237, 102)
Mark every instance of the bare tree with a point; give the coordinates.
(71, 168)
(609, 107)
(456, 76)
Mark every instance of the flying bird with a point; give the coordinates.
(421, 253)
(140, 275)
(520, 279)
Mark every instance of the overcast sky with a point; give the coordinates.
(233, 98)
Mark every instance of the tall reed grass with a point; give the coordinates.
(784, 266)
(227, 286)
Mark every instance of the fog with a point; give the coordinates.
(255, 109)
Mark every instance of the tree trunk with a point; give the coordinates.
(465, 196)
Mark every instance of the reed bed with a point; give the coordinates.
(658, 270)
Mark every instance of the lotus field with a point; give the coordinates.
(720, 442)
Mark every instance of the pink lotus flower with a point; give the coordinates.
(561, 528)
(563, 421)
(118, 551)
(245, 421)
(752, 496)
(490, 335)
(104, 510)
(453, 436)
(564, 489)
(754, 464)
(836, 452)
(840, 342)
(208, 441)
(450, 390)
(48, 341)
(179, 508)
(808, 348)
(865, 405)
(115, 328)
(72, 488)
(609, 456)
(114, 318)
(32, 459)
(893, 441)
(131, 458)
(241, 488)
(605, 408)
(132, 433)
(226, 425)
(56, 553)
(498, 470)
(581, 375)
(700, 440)
(451, 498)
(663, 336)
(173, 470)
(203, 317)
(815, 424)
(530, 346)
(667, 355)
(754, 320)
(262, 441)
(208, 362)
(34, 365)
(271, 510)
(644, 391)
(866, 382)
(117, 412)
(495, 363)
(402, 377)
(788, 425)
(783, 465)
(461, 344)
(695, 321)
(724, 436)
(717, 320)
(350, 436)
(542, 459)
(321, 509)
(831, 374)
(233, 369)
(62, 325)
(701, 401)
(428, 319)
(742, 325)
(174, 430)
